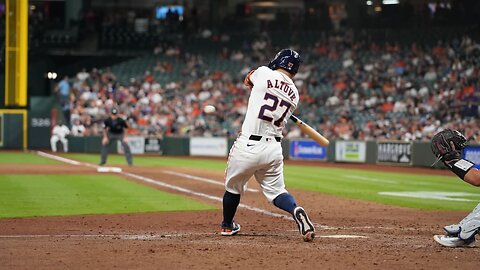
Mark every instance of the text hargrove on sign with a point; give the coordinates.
(394, 152)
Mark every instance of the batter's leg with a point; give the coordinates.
(230, 205)
(128, 153)
(286, 202)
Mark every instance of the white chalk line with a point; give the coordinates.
(57, 158)
(198, 178)
(185, 190)
(145, 236)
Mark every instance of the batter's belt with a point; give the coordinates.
(258, 138)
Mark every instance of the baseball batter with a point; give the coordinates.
(258, 151)
(447, 146)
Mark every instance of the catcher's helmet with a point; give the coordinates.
(287, 59)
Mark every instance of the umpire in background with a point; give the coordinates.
(114, 128)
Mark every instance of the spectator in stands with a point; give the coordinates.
(77, 128)
(386, 91)
(63, 90)
(83, 75)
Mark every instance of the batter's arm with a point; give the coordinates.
(247, 81)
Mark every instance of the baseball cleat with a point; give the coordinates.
(230, 230)
(305, 226)
(453, 241)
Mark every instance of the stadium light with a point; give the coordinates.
(369, 3)
(52, 75)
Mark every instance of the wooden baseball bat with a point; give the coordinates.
(312, 133)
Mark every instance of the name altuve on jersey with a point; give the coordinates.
(281, 85)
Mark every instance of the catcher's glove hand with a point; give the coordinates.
(447, 146)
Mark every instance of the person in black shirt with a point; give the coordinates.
(114, 128)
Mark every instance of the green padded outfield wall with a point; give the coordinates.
(12, 131)
(40, 122)
(422, 155)
(371, 157)
(176, 146)
(331, 151)
(89, 144)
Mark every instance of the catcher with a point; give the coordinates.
(447, 146)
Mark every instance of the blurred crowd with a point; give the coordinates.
(394, 92)
(349, 90)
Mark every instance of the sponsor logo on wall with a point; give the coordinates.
(350, 151)
(137, 145)
(200, 146)
(307, 149)
(394, 152)
(152, 145)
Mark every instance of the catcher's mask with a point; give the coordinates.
(287, 59)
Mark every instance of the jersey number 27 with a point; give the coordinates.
(272, 108)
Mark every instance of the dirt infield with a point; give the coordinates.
(351, 234)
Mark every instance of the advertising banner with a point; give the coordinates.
(136, 143)
(307, 149)
(472, 153)
(152, 145)
(216, 146)
(394, 152)
(350, 151)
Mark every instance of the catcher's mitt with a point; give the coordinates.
(447, 145)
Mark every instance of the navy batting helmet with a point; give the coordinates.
(287, 59)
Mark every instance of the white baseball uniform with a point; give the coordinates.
(59, 133)
(257, 150)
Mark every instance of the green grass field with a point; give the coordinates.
(43, 195)
(24, 158)
(148, 161)
(451, 193)
(58, 195)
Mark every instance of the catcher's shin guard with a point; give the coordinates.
(467, 224)
(470, 227)
(452, 230)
